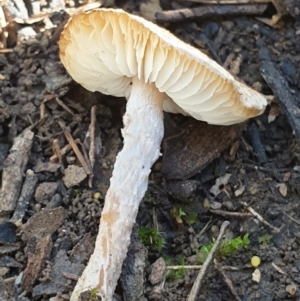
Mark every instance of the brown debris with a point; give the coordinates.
(201, 142)
(36, 262)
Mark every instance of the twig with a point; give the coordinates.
(227, 281)
(186, 14)
(230, 214)
(92, 144)
(178, 267)
(63, 151)
(63, 105)
(75, 148)
(57, 150)
(257, 145)
(195, 289)
(259, 217)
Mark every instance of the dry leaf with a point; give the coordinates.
(287, 176)
(215, 190)
(282, 188)
(274, 112)
(240, 191)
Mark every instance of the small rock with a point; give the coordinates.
(3, 271)
(45, 191)
(256, 275)
(74, 175)
(55, 201)
(158, 269)
(215, 205)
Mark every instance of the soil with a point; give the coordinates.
(44, 250)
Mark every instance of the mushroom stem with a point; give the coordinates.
(143, 132)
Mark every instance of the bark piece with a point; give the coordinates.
(36, 262)
(43, 223)
(26, 195)
(192, 150)
(13, 171)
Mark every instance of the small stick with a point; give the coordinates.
(57, 150)
(185, 14)
(64, 106)
(63, 151)
(259, 217)
(75, 148)
(178, 267)
(230, 214)
(195, 289)
(92, 144)
(227, 281)
(42, 111)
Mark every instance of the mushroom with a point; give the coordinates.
(116, 53)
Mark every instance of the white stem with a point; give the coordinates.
(143, 132)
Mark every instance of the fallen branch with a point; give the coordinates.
(195, 289)
(185, 14)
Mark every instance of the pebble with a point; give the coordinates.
(256, 275)
(215, 205)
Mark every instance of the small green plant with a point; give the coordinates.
(227, 248)
(191, 218)
(178, 273)
(180, 212)
(151, 238)
(265, 240)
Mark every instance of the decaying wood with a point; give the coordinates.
(197, 284)
(279, 85)
(13, 171)
(27, 192)
(186, 14)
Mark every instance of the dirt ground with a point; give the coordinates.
(47, 236)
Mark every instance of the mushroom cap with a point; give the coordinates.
(104, 48)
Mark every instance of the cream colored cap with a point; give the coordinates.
(103, 49)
